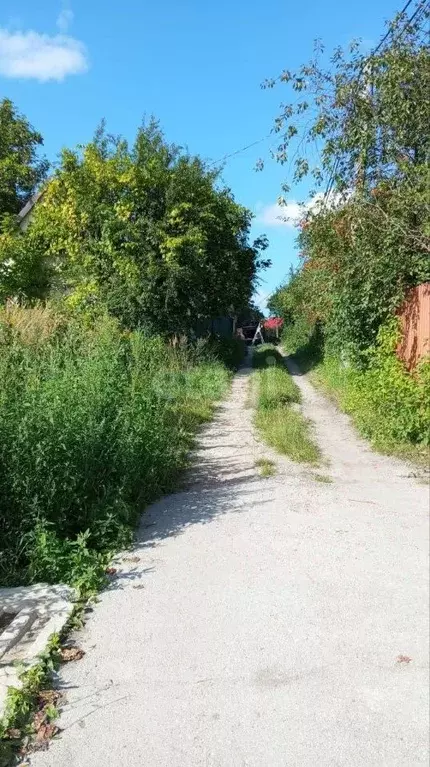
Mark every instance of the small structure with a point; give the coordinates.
(274, 325)
(29, 616)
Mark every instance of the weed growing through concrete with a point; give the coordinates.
(266, 466)
(322, 478)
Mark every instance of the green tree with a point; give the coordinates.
(367, 239)
(147, 232)
(21, 170)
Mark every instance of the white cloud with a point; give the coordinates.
(65, 19)
(40, 57)
(280, 215)
(290, 214)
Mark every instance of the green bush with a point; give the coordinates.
(229, 351)
(94, 423)
(305, 343)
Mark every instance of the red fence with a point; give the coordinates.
(415, 321)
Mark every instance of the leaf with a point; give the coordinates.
(13, 733)
(69, 654)
(45, 733)
(49, 697)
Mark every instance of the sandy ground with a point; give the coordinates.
(262, 622)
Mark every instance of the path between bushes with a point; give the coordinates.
(263, 622)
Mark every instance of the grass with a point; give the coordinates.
(266, 355)
(289, 433)
(281, 426)
(373, 415)
(95, 423)
(275, 388)
(388, 405)
(324, 478)
(266, 466)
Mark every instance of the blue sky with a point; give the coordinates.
(196, 66)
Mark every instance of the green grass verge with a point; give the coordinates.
(95, 423)
(289, 433)
(265, 356)
(275, 387)
(377, 410)
(281, 426)
(389, 405)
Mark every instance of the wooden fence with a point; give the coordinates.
(415, 321)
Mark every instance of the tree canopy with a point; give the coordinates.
(145, 231)
(359, 129)
(21, 169)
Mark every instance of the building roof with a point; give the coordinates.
(30, 204)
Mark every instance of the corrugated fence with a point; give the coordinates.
(415, 321)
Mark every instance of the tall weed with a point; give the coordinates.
(94, 424)
(388, 404)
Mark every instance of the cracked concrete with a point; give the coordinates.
(264, 621)
(29, 616)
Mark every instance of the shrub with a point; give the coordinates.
(388, 404)
(229, 351)
(305, 343)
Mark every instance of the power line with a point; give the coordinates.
(390, 31)
(239, 151)
(421, 7)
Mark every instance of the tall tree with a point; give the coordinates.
(21, 169)
(146, 232)
(359, 128)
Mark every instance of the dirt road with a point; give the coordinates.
(266, 622)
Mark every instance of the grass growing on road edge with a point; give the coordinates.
(29, 710)
(266, 466)
(281, 426)
(385, 403)
(95, 423)
(388, 405)
(324, 478)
